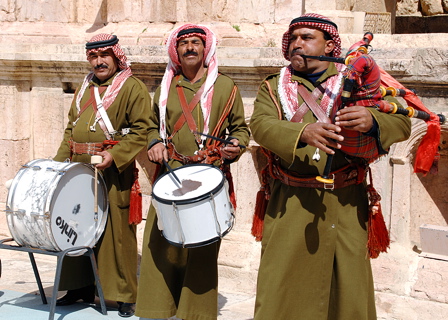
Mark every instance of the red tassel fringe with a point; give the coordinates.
(378, 235)
(258, 219)
(135, 207)
(232, 194)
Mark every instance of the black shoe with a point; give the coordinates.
(126, 309)
(87, 294)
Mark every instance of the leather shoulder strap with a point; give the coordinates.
(312, 104)
(187, 109)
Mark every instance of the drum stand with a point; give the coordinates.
(60, 257)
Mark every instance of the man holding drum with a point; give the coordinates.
(314, 260)
(117, 133)
(193, 98)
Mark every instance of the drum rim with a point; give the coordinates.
(202, 243)
(191, 200)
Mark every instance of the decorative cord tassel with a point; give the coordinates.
(258, 218)
(135, 207)
(378, 236)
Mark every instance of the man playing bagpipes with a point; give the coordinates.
(315, 239)
(193, 98)
(109, 117)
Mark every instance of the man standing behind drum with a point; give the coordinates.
(193, 97)
(118, 135)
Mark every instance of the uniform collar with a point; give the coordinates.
(331, 71)
(184, 82)
(95, 81)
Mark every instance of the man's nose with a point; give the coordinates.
(297, 43)
(100, 60)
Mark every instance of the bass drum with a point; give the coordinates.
(50, 206)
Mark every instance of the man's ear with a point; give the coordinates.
(329, 46)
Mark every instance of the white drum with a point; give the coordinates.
(197, 212)
(51, 206)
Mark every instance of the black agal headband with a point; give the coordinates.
(314, 20)
(101, 44)
(191, 30)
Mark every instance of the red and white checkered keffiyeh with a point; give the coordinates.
(125, 72)
(317, 21)
(288, 89)
(174, 67)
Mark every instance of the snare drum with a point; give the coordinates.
(51, 206)
(197, 212)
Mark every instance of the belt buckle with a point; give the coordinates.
(329, 186)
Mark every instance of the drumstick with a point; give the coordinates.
(96, 160)
(171, 171)
(218, 139)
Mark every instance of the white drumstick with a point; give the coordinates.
(96, 160)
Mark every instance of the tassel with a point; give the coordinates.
(135, 207)
(258, 218)
(378, 236)
(232, 194)
(228, 174)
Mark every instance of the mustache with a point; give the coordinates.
(100, 66)
(296, 50)
(194, 53)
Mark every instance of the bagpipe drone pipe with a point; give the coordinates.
(365, 83)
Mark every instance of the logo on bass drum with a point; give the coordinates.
(67, 230)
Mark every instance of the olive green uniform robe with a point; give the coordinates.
(314, 262)
(174, 280)
(117, 249)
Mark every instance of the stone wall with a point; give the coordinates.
(42, 61)
(422, 7)
(421, 16)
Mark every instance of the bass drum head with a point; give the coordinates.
(73, 222)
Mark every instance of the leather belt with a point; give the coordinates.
(86, 148)
(346, 176)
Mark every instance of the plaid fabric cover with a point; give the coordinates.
(364, 71)
(359, 145)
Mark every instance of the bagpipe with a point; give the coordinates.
(365, 83)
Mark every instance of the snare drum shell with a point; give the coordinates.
(198, 221)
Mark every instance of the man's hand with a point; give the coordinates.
(322, 136)
(356, 118)
(107, 160)
(158, 153)
(231, 151)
